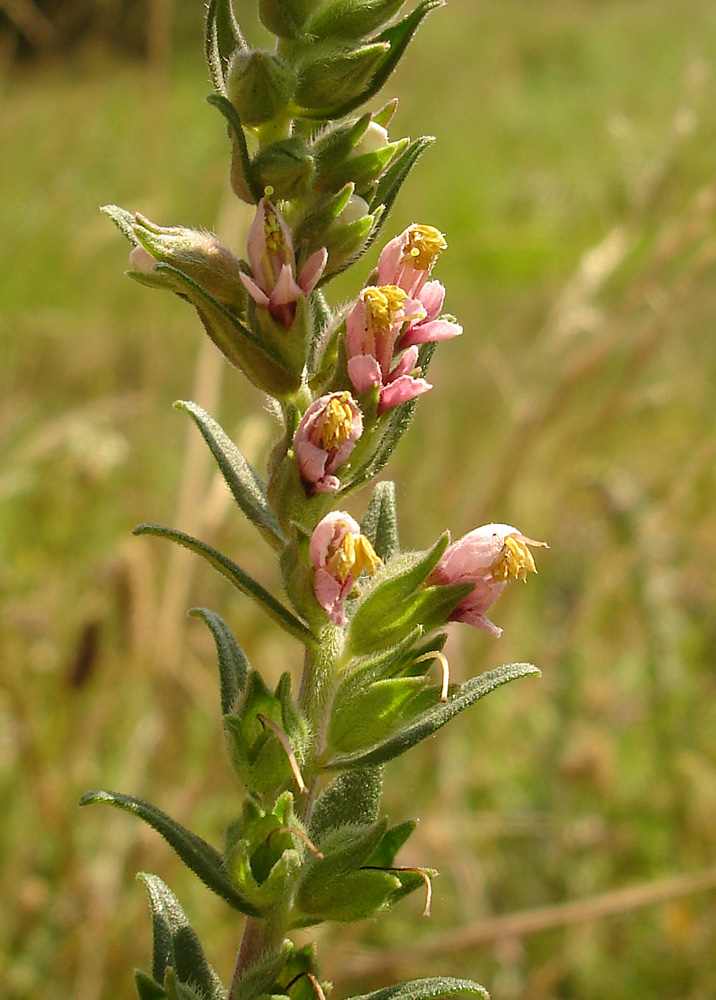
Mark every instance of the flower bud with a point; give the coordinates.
(488, 557)
(339, 553)
(351, 19)
(282, 17)
(287, 167)
(324, 439)
(260, 86)
(330, 80)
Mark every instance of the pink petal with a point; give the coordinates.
(286, 291)
(432, 297)
(312, 270)
(389, 260)
(257, 294)
(311, 460)
(406, 364)
(256, 240)
(329, 533)
(329, 484)
(328, 593)
(402, 389)
(364, 372)
(423, 333)
(477, 619)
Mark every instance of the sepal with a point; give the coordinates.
(383, 615)
(285, 18)
(352, 19)
(255, 750)
(353, 797)
(287, 166)
(222, 38)
(260, 86)
(332, 77)
(434, 717)
(263, 852)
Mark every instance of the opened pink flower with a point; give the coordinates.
(324, 439)
(339, 553)
(488, 557)
(273, 284)
(372, 328)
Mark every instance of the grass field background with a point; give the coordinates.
(575, 178)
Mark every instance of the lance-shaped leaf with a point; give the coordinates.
(380, 523)
(175, 942)
(384, 854)
(246, 485)
(146, 988)
(428, 989)
(379, 616)
(222, 37)
(241, 580)
(435, 717)
(236, 129)
(233, 665)
(203, 859)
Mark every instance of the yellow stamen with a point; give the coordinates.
(383, 303)
(336, 422)
(515, 560)
(355, 555)
(424, 246)
(275, 243)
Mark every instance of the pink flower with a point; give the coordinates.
(339, 554)
(372, 328)
(324, 439)
(409, 258)
(273, 265)
(407, 262)
(488, 557)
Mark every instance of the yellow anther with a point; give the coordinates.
(355, 555)
(336, 422)
(424, 246)
(272, 231)
(515, 560)
(383, 304)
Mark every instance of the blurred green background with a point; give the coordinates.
(574, 178)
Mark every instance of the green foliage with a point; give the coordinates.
(247, 487)
(233, 665)
(203, 859)
(380, 521)
(176, 946)
(242, 581)
(427, 989)
(434, 717)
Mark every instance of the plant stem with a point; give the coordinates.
(260, 938)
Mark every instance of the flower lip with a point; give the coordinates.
(339, 553)
(488, 557)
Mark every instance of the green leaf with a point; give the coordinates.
(247, 487)
(436, 717)
(233, 665)
(380, 523)
(356, 896)
(427, 989)
(176, 943)
(384, 854)
(361, 722)
(392, 180)
(241, 580)
(203, 859)
(397, 36)
(146, 988)
(377, 620)
(237, 130)
(222, 37)
(352, 797)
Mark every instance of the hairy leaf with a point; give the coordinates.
(203, 859)
(380, 523)
(427, 989)
(233, 665)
